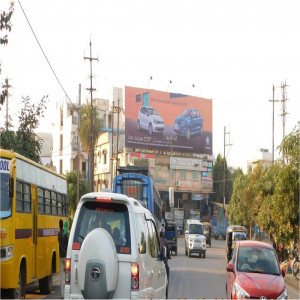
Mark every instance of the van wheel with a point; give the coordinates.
(204, 255)
(46, 283)
(189, 253)
(201, 130)
(176, 251)
(20, 291)
(138, 125)
(200, 255)
(186, 252)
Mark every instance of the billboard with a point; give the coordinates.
(156, 120)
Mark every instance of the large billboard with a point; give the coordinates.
(156, 120)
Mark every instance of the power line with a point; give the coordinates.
(45, 54)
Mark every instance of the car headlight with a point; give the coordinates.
(284, 295)
(240, 293)
(6, 252)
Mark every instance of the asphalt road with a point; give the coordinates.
(190, 278)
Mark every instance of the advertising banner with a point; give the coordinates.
(156, 120)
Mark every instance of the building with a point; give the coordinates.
(263, 157)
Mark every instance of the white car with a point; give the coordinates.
(149, 119)
(195, 241)
(113, 251)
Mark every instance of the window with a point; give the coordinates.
(153, 244)
(138, 98)
(41, 203)
(182, 174)
(53, 203)
(47, 202)
(104, 152)
(23, 197)
(195, 175)
(60, 166)
(59, 205)
(140, 224)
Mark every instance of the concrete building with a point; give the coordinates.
(263, 157)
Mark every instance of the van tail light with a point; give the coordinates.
(135, 277)
(103, 199)
(68, 271)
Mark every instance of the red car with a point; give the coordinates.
(254, 272)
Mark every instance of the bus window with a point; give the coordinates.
(5, 203)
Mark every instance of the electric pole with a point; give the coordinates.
(283, 100)
(92, 146)
(273, 101)
(224, 168)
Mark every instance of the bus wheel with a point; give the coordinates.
(46, 283)
(20, 290)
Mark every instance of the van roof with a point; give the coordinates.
(97, 196)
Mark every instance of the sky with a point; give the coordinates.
(233, 52)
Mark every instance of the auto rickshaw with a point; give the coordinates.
(207, 232)
(234, 233)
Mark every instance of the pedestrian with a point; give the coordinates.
(63, 244)
(163, 242)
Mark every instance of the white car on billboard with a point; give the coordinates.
(149, 119)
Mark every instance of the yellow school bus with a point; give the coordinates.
(33, 200)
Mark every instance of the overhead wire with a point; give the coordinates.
(45, 55)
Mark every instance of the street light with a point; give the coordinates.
(169, 84)
(172, 140)
(149, 81)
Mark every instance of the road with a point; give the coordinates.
(190, 278)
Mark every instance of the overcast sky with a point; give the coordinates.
(232, 51)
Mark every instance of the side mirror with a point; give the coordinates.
(164, 251)
(186, 232)
(229, 267)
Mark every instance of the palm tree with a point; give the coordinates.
(85, 127)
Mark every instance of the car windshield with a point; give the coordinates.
(113, 217)
(5, 203)
(196, 229)
(187, 113)
(152, 111)
(238, 236)
(257, 260)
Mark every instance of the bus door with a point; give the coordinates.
(34, 230)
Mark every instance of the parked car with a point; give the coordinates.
(149, 119)
(254, 272)
(113, 250)
(171, 235)
(195, 241)
(189, 123)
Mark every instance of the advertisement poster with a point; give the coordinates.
(156, 120)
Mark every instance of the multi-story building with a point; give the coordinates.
(263, 157)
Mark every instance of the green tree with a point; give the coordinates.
(24, 140)
(72, 190)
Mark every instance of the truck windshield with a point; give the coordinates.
(5, 203)
(196, 229)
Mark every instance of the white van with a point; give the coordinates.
(195, 241)
(113, 251)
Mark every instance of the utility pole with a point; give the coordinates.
(92, 146)
(112, 147)
(284, 113)
(224, 167)
(78, 145)
(273, 101)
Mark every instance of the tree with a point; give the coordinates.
(5, 25)
(24, 140)
(72, 190)
(85, 126)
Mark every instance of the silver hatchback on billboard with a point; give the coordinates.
(149, 119)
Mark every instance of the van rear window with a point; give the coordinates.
(112, 217)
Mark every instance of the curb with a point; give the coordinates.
(292, 281)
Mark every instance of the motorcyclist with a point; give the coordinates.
(163, 242)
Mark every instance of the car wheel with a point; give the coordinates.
(150, 129)
(188, 134)
(189, 253)
(199, 254)
(175, 251)
(204, 255)
(138, 125)
(201, 130)
(103, 262)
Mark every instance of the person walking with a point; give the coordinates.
(63, 244)
(163, 242)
